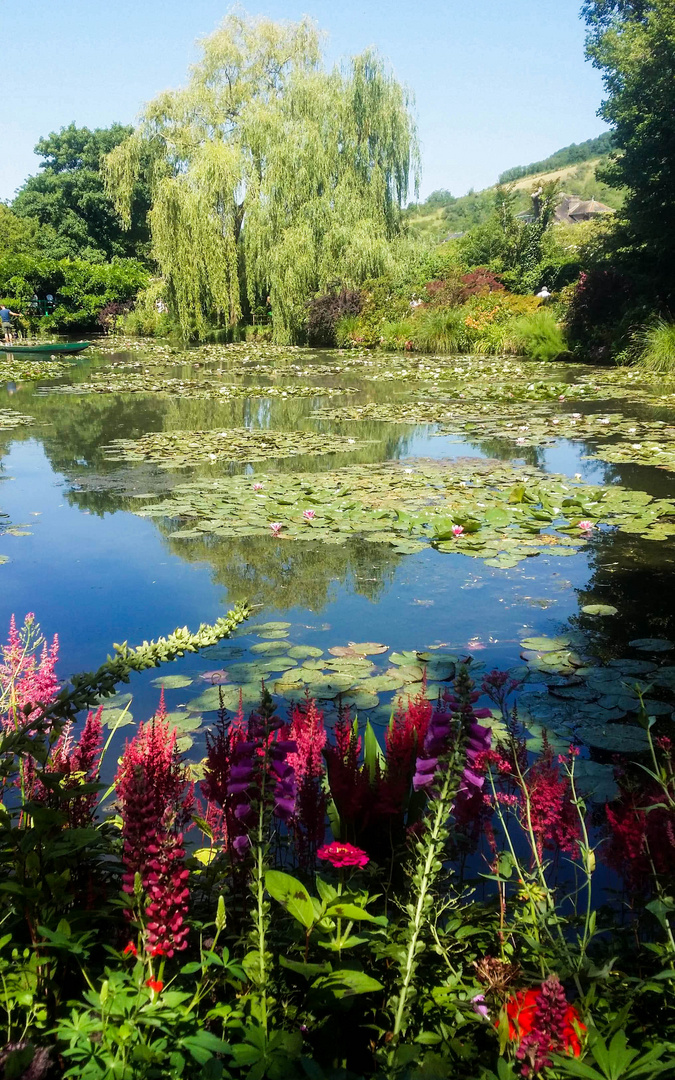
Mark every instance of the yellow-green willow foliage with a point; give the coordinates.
(270, 175)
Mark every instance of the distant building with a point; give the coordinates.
(571, 209)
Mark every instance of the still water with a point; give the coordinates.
(95, 573)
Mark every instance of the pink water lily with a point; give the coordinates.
(309, 515)
(257, 487)
(586, 526)
(276, 527)
(457, 530)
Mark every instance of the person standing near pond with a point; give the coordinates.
(6, 320)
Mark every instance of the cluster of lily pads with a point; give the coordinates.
(600, 705)
(9, 418)
(122, 382)
(12, 370)
(177, 449)
(486, 509)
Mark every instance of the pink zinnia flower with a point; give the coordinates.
(586, 526)
(276, 527)
(309, 515)
(343, 855)
(457, 530)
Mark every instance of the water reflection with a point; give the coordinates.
(626, 571)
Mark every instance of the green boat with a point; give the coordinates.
(62, 347)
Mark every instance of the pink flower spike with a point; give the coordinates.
(276, 527)
(309, 515)
(586, 526)
(457, 530)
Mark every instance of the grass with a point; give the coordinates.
(539, 336)
(656, 344)
(440, 331)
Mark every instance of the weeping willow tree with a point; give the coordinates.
(270, 175)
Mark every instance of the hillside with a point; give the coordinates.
(442, 214)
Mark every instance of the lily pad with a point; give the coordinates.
(652, 644)
(614, 738)
(173, 682)
(599, 609)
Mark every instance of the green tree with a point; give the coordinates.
(270, 174)
(17, 235)
(633, 45)
(68, 199)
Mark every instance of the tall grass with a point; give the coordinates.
(442, 330)
(346, 329)
(656, 348)
(539, 336)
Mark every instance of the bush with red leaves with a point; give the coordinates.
(325, 311)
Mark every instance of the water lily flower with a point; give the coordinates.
(576, 415)
(555, 420)
(604, 420)
(520, 442)
(276, 527)
(457, 530)
(577, 476)
(561, 397)
(309, 515)
(257, 487)
(586, 526)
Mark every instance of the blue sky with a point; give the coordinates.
(497, 82)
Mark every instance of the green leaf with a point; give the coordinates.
(350, 911)
(292, 895)
(310, 970)
(346, 983)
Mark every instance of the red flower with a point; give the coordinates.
(131, 948)
(155, 984)
(341, 855)
(542, 1022)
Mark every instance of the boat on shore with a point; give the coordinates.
(63, 348)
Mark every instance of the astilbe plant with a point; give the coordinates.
(156, 800)
(28, 678)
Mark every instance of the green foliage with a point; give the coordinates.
(443, 330)
(80, 288)
(270, 175)
(655, 347)
(68, 201)
(633, 45)
(540, 336)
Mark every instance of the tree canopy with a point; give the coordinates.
(67, 199)
(270, 175)
(633, 45)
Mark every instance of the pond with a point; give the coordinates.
(423, 508)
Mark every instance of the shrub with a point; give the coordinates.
(325, 311)
(540, 336)
(656, 348)
(479, 281)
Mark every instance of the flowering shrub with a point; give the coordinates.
(315, 902)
